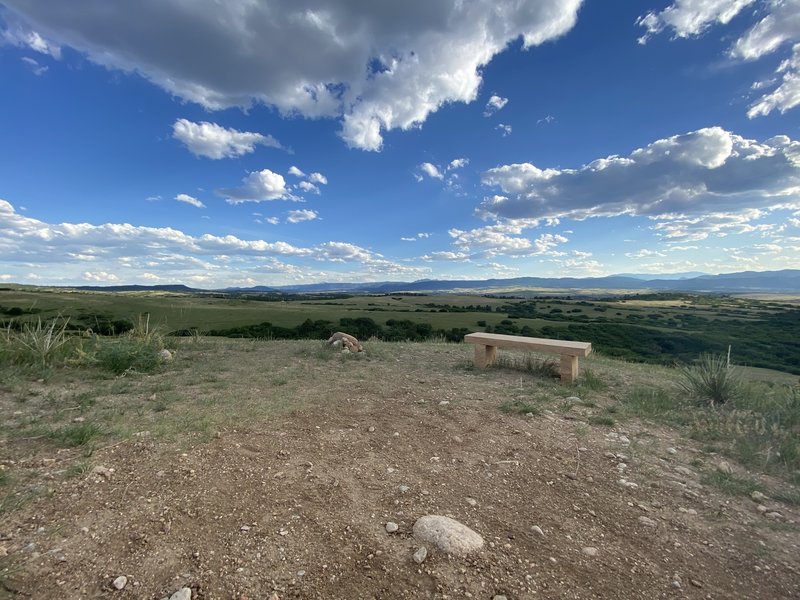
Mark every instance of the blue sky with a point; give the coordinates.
(276, 142)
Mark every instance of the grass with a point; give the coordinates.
(79, 434)
(711, 380)
(730, 483)
(546, 368)
(602, 420)
(519, 407)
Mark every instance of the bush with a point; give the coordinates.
(711, 380)
(125, 354)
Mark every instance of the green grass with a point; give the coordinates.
(79, 434)
(519, 407)
(603, 420)
(730, 483)
(128, 354)
(711, 380)
(547, 368)
(590, 380)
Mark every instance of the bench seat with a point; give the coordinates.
(486, 345)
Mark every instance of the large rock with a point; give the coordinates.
(447, 534)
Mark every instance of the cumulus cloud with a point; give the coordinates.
(142, 253)
(504, 239)
(186, 198)
(318, 178)
(214, 141)
(296, 172)
(709, 170)
(457, 163)
(378, 66)
(431, 170)
(494, 104)
(505, 130)
(297, 216)
(258, 186)
(778, 25)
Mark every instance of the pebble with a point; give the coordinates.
(403, 489)
(590, 551)
(165, 355)
(103, 471)
(774, 514)
(647, 521)
(371, 430)
(572, 399)
(724, 467)
(676, 584)
(391, 527)
(472, 501)
(420, 555)
(696, 583)
(444, 402)
(684, 471)
(757, 496)
(120, 582)
(499, 597)
(672, 451)
(624, 439)
(628, 484)
(537, 530)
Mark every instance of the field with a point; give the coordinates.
(656, 328)
(246, 468)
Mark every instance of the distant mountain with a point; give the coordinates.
(652, 276)
(786, 282)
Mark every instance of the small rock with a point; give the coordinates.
(420, 555)
(624, 439)
(78, 419)
(774, 514)
(724, 467)
(572, 476)
(499, 597)
(371, 430)
(628, 484)
(103, 471)
(244, 528)
(403, 489)
(166, 356)
(696, 583)
(444, 403)
(685, 471)
(761, 508)
(757, 496)
(672, 451)
(573, 399)
(609, 455)
(647, 521)
(537, 530)
(391, 527)
(590, 551)
(120, 582)
(184, 593)
(457, 439)
(472, 501)
(447, 534)
(301, 573)
(676, 584)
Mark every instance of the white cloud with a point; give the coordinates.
(779, 26)
(448, 255)
(100, 277)
(272, 220)
(307, 186)
(35, 67)
(504, 129)
(318, 178)
(494, 104)
(546, 120)
(302, 57)
(787, 95)
(689, 18)
(681, 228)
(457, 163)
(186, 198)
(431, 170)
(423, 235)
(504, 239)
(214, 141)
(58, 251)
(258, 186)
(296, 172)
(695, 173)
(408, 239)
(297, 216)
(17, 34)
(644, 253)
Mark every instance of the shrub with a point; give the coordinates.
(126, 354)
(38, 343)
(711, 380)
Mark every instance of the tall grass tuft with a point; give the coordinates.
(40, 342)
(711, 380)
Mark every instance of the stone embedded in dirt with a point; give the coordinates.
(391, 527)
(403, 489)
(499, 597)
(696, 583)
(572, 399)
(774, 514)
(471, 501)
(184, 593)
(103, 471)
(757, 496)
(628, 484)
(590, 551)
(685, 471)
(537, 530)
(120, 582)
(724, 467)
(165, 355)
(444, 402)
(447, 534)
(672, 451)
(647, 522)
(420, 555)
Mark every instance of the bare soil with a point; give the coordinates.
(275, 467)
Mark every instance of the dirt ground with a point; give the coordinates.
(292, 501)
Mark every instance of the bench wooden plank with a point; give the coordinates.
(486, 345)
(528, 343)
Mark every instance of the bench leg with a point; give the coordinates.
(484, 355)
(569, 368)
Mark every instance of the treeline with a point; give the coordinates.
(364, 328)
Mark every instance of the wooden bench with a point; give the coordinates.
(486, 345)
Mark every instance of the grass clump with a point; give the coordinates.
(711, 380)
(604, 420)
(519, 407)
(730, 483)
(547, 368)
(79, 434)
(127, 354)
